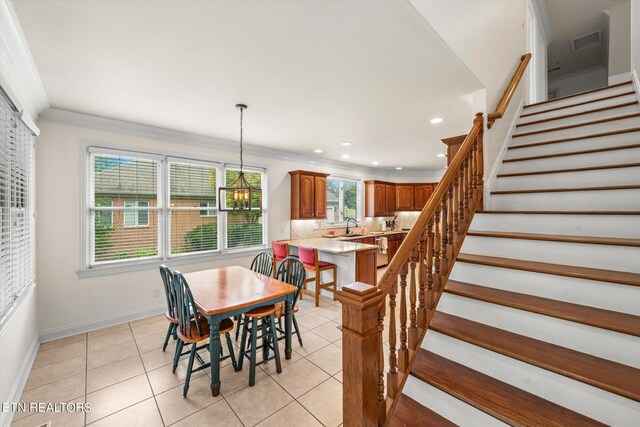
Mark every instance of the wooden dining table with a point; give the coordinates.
(229, 291)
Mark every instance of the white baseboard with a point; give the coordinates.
(67, 331)
(503, 151)
(619, 78)
(18, 387)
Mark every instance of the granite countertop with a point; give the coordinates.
(371, 234)
(333, 246)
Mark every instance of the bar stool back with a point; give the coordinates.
(280, 252)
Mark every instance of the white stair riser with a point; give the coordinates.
(625, 226)
(622, 139)
(591, 401)
(592, 293)
(449, 407)
(580, 98)
(633, 122)
(591, 178)
(574, 161)
(623, 200)
(598, 342)
(617, 258)
(577, 109)
(614, 112)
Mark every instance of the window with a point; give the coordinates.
(136, 218)
(343, 200)
(16, 205)
(151, 206)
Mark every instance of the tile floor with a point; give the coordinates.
(123, 373)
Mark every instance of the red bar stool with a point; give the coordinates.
(309, 258)
(280, 252)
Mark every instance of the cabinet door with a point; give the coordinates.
(320, 191)
(392, 248)
(379, 206)
(369, 240)
(390, 199)
(421, 195)
(404, 197)
(307, 202)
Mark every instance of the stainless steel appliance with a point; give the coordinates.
(383, 254)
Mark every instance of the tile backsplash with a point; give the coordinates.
(307, 229)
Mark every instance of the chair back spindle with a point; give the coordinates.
(185, 306)
(291, 271)
(263, 264)
(169, 290)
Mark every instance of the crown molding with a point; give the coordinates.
(20, 78)
(56, 115)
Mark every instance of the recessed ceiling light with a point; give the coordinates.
(345, 156)
(317, 151)
(399, 168)
(436, 120)
(375, 163)
(441, 155)
(346, 144)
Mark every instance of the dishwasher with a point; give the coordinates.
(382, 257)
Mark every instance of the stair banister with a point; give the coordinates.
(422, 264)
(509, 91)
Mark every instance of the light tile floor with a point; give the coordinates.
(123, 373)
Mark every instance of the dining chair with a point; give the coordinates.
(193, 328)
(263, 264)
(309, 257)
(291, 271)
(167, 280)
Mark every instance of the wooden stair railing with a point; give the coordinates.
(509, 91)
(402, 304)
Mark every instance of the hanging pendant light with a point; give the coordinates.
(240, 195)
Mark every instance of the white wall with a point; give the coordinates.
(69, 303)
(489, 37)
(635, 38)
(579, 81)
(619, 42)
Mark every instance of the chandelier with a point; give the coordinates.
(240, 195)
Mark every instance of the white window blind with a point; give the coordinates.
(16, 205)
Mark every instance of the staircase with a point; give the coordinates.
(539, 320)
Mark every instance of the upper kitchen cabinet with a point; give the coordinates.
(308, 195)
(404, 197)
(380, 198)
(421, 195)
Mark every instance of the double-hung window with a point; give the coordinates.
(16, 205)
(153, 206)
(343, 200)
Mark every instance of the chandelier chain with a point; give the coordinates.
(241, 163)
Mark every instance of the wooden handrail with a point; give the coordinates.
(413, 284)
(509, 91)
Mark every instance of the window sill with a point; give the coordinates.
(149, 264)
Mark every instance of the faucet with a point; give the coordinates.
(350, 219)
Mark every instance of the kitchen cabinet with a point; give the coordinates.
(393, 243)
(308, 195)
(421, 194)
(380, 198)
(404, 197)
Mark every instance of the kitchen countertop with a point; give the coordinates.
(334, 246)
(360, 236)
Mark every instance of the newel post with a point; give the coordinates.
(361, 348)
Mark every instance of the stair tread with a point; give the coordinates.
(610, 376)
(618, 95)
(409, 413)
(581, 113)
(597, 317)
(584, 169)
(573, 153)
(562, 190)
(574, 138)
(577, 125)
(492, 212)
(573, 95)
(500, 400)
(620, 277)
(612, 241)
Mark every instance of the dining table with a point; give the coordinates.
(230, 291)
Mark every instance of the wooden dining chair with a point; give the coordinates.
(169, 292)
(291, 271)
(193, 328)
(263, 264)
(309, 257)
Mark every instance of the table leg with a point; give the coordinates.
(288, 328)
(214, 354)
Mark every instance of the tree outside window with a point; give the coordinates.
(342, 200)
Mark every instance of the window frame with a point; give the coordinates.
(87, 265)
(359, 204)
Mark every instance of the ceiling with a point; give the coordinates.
(570, 19)
(314, 74)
